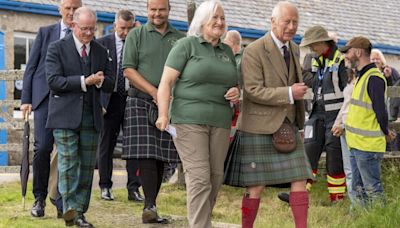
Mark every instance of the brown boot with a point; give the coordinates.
(249, 211)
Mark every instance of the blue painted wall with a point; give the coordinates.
(3, 132)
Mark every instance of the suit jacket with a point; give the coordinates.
(35, 88)
(109, 43)
(266, 89)
(64, 79)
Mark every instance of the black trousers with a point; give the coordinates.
(113, 121)
(151, 174)
(323, 140)
(43, 146)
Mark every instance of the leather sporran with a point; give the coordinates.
(284, 139)
(152, 115)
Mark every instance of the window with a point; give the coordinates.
(22, 45)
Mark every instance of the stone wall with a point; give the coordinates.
(10, 23)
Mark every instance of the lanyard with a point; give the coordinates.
(321, 73)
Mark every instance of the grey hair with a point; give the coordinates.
(83, 10)
(62, 2)
(202, 15)
(234, 36)
(125, 15)
(277, 11)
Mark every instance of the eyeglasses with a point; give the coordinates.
(87, 29)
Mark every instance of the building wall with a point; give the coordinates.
(11, 22)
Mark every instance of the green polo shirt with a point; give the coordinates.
(146, 50)
(238, 58)
(207, 73)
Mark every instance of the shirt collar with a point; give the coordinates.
(117, 38)
(150, 27)
(64, 27)
(79, 45)
(202, 40)
(277, 42)
(366, 68)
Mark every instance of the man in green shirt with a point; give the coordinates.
(145, 52)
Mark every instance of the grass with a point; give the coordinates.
(172, 203)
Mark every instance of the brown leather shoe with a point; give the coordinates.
(150, 215)
(69, 217)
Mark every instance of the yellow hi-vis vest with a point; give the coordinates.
(363, 131)
(334, 98)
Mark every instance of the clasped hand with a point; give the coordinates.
(95, 79)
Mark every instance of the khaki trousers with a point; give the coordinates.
(202, 150)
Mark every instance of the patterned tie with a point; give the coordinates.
(67, 31)
(83, 53)
(121, 79)
(286, 56)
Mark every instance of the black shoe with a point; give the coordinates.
(59, 214)
(150, 215)
(38, 208)
(59, 208)
(135, 196)
(69, 217)
(106, 194)
(283, 196)
(81, 222)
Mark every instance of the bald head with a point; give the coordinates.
(234, 40)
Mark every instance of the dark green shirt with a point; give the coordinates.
(146, 50)
(207, 73)
(238, 59)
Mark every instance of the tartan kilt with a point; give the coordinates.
(142, 140)
(252, 161)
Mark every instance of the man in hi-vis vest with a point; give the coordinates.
(367, 123)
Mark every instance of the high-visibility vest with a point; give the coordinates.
(363, 131)
(333, 97)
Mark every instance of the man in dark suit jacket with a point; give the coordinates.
(113, 105)
(35, 96)
(77, 69)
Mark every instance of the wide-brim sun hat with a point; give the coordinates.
(315, 34)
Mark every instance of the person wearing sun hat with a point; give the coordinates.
(327, 78)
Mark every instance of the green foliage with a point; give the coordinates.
(172, 203)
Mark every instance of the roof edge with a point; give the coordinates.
(180, 25)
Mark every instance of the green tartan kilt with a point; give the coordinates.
(253, 161)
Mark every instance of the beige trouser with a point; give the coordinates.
(202, 150)
(53, 177)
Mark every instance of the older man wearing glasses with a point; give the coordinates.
(77, 69)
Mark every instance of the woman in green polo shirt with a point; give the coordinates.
(203, 70)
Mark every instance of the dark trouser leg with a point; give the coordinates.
(314, 145)
(43, 147)
(132, 167)
(151, 177)
(334, 165)
(113, 120)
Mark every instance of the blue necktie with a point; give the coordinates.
(121, 79)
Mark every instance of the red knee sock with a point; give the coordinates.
(249, 211)
(299, 204)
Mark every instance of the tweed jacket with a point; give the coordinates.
(266, 88)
